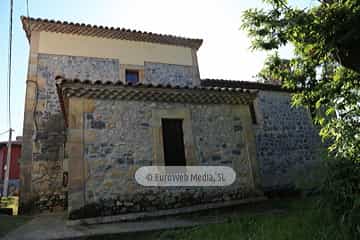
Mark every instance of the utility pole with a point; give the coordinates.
(8, 163)
(8, 159)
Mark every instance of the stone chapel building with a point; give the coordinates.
(101, 102)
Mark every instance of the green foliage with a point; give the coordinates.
(341, 187)
(323, 67)
(339, 182)
(275, 70)
(325, 75)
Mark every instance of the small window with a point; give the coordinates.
(252, 113)
(132, 76)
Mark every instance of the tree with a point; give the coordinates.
(275, 70)
(325, 72)
(326, 65)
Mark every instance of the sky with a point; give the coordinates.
(225, 52)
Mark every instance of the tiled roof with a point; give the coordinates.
(241, 84)
(147, 92)
(116, 90)
(38, 24)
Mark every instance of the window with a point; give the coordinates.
(173, 141)
(252, 113)
(132, 76)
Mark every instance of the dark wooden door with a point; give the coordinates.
(173, 141)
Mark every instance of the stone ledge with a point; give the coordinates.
(167, 212)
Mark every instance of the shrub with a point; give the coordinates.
(341, 193)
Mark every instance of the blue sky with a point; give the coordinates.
(225, 52)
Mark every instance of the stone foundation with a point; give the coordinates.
(159, 199)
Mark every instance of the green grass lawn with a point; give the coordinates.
(298, 219)
(301, 220)
(8, 223)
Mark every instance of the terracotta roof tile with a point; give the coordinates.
(60, 80)
(147, 92)
(38, 24)
(242, 84)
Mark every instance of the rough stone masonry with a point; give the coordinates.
(83, 158)
(277, 120)
(118, 139)
(287, 143)
(48, 154)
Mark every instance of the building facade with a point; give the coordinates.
(14, 173)
(98, 105)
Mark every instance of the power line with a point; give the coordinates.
(4, 132)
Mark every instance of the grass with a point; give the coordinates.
(9, 223)
(293, 219)
(297, 219)
(302, 220)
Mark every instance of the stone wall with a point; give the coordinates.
(287, 142)
(176, 75)
(49, 133)
(118, 138)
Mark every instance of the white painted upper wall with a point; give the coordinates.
(128, 52)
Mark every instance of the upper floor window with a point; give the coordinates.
(132, 76)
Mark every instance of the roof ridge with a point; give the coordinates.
(67, 88)
(60, 80)
(237, 81)
(44, 24)
(243, 84)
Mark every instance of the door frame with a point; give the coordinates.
(158, 145)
